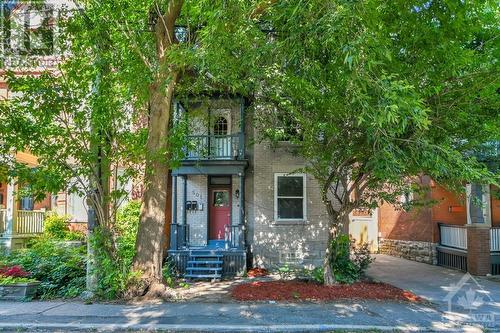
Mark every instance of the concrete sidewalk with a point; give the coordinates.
(430, 282)
(226, 317)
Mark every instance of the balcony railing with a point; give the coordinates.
(453, 236)
(495, 239)
(26, 222)
(213, 147)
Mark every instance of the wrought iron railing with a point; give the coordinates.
(234, 236)
(216, 147)
(182, 235)
(454, 236)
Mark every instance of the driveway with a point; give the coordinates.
(436, 283)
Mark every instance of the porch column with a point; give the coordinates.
(173, 229)
(11, 208)
(478, 229)
(241, 232)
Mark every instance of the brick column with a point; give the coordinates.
(478, 249)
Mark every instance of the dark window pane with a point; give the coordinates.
(290, 186)
(290, 208)
(220, 180)
(221, 198)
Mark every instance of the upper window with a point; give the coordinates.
(220, 126)
(289, 196)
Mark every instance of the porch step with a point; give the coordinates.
(204, 264)
(203, 276)
(217, 269)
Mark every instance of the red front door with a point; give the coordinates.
(220, 212)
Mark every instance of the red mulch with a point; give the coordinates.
(305, 291)
(257, 272)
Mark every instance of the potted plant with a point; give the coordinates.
(16, 283)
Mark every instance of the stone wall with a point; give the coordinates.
(412, 250)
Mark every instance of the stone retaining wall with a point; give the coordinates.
(412, 250)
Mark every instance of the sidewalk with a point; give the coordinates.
(221, 314)
(225, 317)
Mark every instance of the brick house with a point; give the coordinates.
(456, 232)
(239, 202)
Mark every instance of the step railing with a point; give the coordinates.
(234, 236)
(495, 239)
(454, 236)
(29, 222)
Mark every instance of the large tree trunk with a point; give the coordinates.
(337, 225)
(150, 235)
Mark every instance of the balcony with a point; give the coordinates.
(214, 147)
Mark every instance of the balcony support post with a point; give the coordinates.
(241, 232)
(11, 208)
(173, 229)
(241, 150)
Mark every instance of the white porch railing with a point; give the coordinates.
(453, 236)
(29, 222)
(495, 239)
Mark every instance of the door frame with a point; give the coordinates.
(209, 202)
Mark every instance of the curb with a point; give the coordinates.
(224, 328)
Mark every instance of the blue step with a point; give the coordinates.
(214, 262)
(203, 276)
(217, 244)
(206, 255)
(204, 268)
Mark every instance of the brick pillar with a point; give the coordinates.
(478, 249)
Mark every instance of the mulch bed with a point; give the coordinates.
(308, 291)
(257, 272)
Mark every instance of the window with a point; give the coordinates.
(289, 197)
(220, 126)
(221, 198)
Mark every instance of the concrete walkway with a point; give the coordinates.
(428, 281)
(444, 287)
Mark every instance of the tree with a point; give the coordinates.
(374, 93)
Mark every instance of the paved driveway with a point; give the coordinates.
(435, 283)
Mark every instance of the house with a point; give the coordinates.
(238, 202)
(21, 218)
(456, 232)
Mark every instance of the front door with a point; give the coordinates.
(220, 212)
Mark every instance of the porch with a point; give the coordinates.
(17, 228)
(461, 246)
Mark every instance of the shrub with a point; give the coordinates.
(61, 270)
(13, 271)
(6, 280)
(348, 260)
(57, 227)
(314, 274)
(113, 261)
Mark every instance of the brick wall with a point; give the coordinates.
(478, 250)
(275, 243)
(197, 220)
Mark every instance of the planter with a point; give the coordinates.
(18, 291)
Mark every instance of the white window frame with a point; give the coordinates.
(304, 198)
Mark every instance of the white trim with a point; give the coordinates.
(303, 197)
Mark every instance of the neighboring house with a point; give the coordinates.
(21, 218)
(461, 233)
